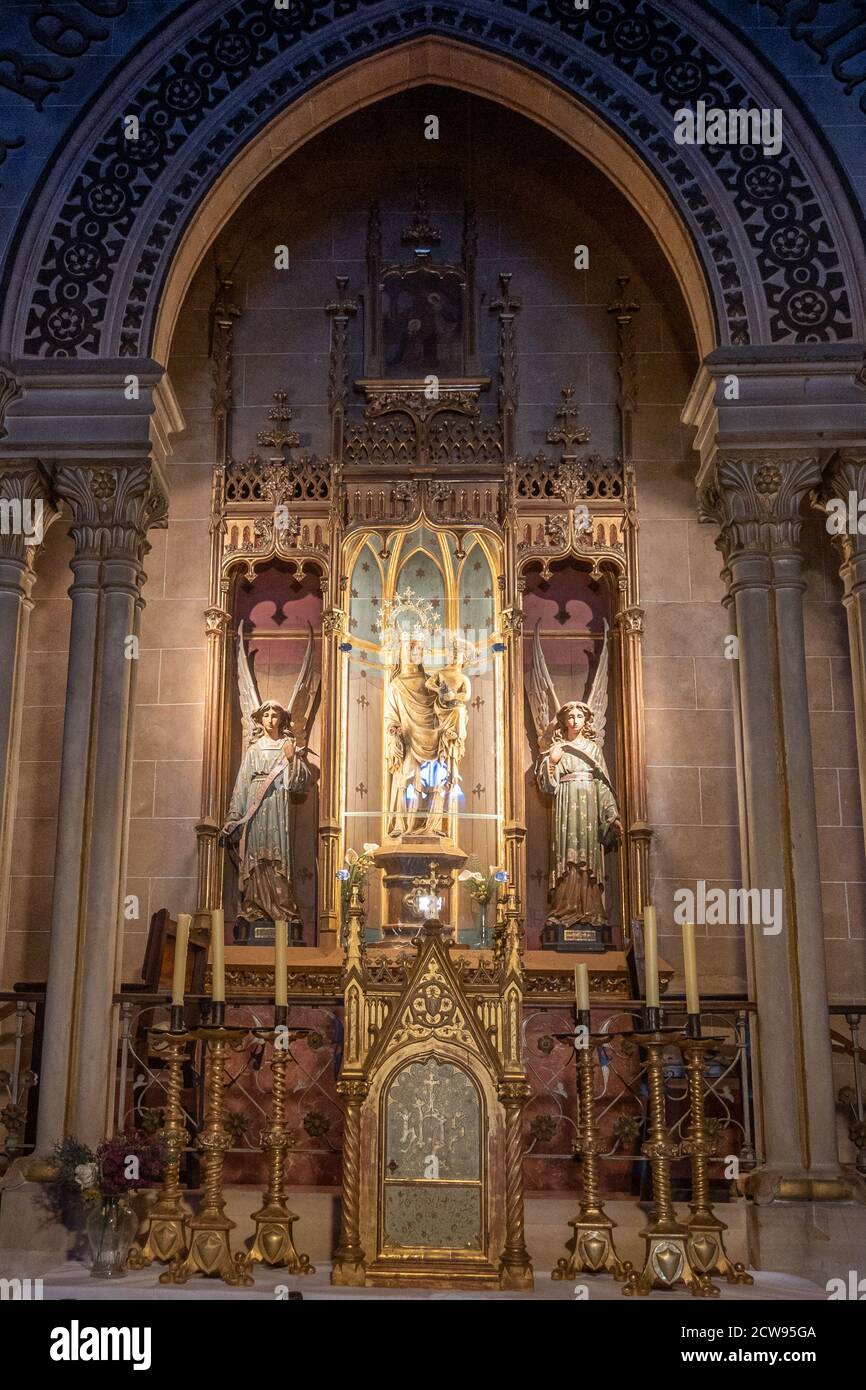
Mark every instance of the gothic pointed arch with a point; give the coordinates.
(766, 249)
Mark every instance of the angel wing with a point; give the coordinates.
(543, 699)
(597, 697)
(247, 691)
(303, 696)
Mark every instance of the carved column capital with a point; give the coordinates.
(845, 472)
(10, 390)
(333, 622)
(844, 482)
(113, 508)
(755, 497)
(217, 621)
(26, 512)
(512, 622)
(630, 620)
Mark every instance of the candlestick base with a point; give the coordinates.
(273, 1243)
(210, 1253)
(707, 1251)
(592, 1248)
(165, 1236)
(668, 1264)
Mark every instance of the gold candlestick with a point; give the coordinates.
(273, 1243)
(706, 1245)
(210, 1251)
(592, 1247)
(165, 1236)
(667, 1261)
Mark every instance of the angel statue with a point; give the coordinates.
(274, 770)
(571, 768)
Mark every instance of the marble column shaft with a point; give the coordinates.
(112, 509)
(18, 485)
(755, 499)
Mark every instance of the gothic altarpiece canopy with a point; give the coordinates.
(425, 649)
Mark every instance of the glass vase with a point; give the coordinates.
(482, 927)
(111, 1228)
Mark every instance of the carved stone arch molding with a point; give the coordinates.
(763, 248)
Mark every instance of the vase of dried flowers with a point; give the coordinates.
(90, 1191)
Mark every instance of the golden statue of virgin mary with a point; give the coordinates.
(425, 738)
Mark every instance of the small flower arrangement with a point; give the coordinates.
(481, 887)
(355, 869)
(118, 1174)
(83, 1176)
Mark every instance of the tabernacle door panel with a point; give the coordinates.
(432, 1174)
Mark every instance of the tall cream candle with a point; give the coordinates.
(651, 957)
(690, 967)
(218, 955)
(281, 941)
(181, 944)
(581, 987)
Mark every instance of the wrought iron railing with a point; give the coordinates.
(315, 1109)
(621, 1096)
(846, 1030)
(314, 1112)
(20, 1016)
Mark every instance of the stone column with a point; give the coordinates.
(25, 512)
(755, 499)
(846, 475)
(112, 509)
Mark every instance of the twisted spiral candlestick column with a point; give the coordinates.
(706, 1245)
(592, 1247)
(165, 1236)
(210, 1251)
(668, 1262)
(273, 1243)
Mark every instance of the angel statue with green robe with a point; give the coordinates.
(571, 769)
(274, 771)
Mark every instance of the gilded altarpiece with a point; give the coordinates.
(423, 564)
(423, 517)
